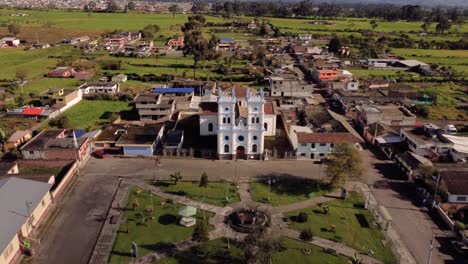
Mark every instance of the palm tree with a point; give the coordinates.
(176, 177)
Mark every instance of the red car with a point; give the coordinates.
(101, 154)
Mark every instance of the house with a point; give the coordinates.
(52, 144)
(317, 146)
(9, 42)
(39, 45)
(23, 205)
(391, 115)
(154, 106)
(346, 85)
(425, 141)
(291, 87)
(459, 151)
(305, 37)
(119, 78)
(183, 91)
(326, 75)
(410, 162)
(61, 72)
(101, 88)
(8, 167)
(108, 137)
(176, 42)
(17, 139)
(410, 64)
(33, 112)
(140, 141)
(60, 96)
(455, 184)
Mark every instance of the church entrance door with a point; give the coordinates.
(240, 152)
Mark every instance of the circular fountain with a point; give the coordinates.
(247, 220)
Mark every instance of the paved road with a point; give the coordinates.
(412, 223)
(192, 169)
(73, 234)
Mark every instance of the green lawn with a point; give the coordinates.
(93, 114)
(344, 215)
(287, 191)
(155, 234)
(214, 194)
(219, 253)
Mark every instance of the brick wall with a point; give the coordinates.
(44, 163)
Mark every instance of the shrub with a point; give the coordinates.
(302, 217)
(459, 225)
(306, 235)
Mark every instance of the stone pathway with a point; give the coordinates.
(278, 226)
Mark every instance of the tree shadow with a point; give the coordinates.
(167, 219)
(294, 186)
(179, 193)
(164, 248)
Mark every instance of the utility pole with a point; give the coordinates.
(436, 189)
(431, 247)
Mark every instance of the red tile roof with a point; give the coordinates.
(268, 108)
(32, 111)
(304, 137)
(240, 90)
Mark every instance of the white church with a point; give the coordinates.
(240, 118)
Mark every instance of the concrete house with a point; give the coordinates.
(154, 106)
(60, 96)
(456, 186)
(17, 139)
(52, 144)
(140, 141)
(23, 205)
(317, 146)
(425, 141)
(101, 88)
(61, 72)
(119, 78)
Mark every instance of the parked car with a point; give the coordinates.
(100, 154)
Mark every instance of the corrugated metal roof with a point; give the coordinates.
(174, 90)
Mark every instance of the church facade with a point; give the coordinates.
(238, 123)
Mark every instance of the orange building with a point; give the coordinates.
(326, 75)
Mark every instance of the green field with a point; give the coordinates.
(214, 194)
(163, 229)
(344, 215)
(93, 114)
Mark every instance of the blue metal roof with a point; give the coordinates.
(78, 133)
(174, 90)
(226, 39)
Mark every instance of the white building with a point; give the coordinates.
(119, 78)
(239, 123)
(101, 88)
(23, 205)
(317, 146)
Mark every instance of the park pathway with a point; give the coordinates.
(325, 243)
(278, 225)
